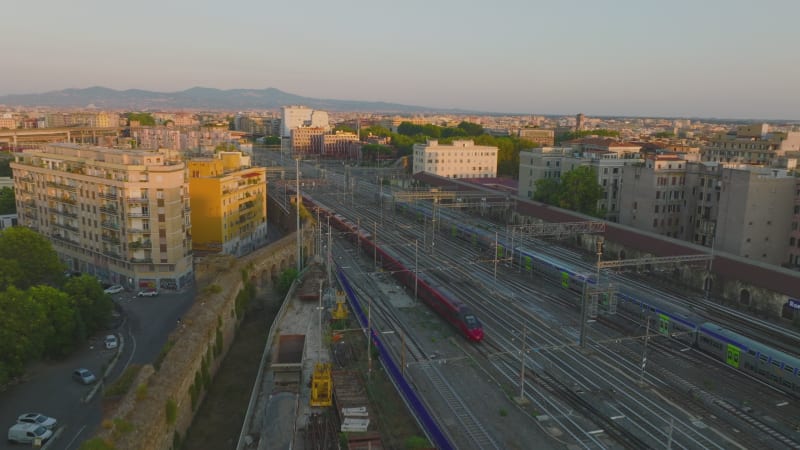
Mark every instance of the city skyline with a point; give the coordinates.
(729, 60)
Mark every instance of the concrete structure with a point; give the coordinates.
(229, 204)
(751, 144)
(579, 122)
(654, 196)
(552, 162)
(755, 213)
(301, 116)
(8, 220)
(793, 257)
(336, 145)
(302, 137)
(541, 136)
(462, 159)
(121, 215)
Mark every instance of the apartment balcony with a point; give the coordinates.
(110, 240)
(26, 179)
(112, 254)
(30, 215)
(29, 203)
(63, 212)
(110, 225)
(65, 239)
(137, 199)
(62, 199)
(111, 210)
(67, 187)
(66, 226)
(141, 260)
(139, 214)
(134, 230)
(108, 195)
(135, 245)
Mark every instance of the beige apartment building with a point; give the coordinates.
(654, 196)
(121, 215)
(553, 162)
(461, 159)
(541, 136)
(751, 144)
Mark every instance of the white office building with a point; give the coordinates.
(301, 116)
(461, 159)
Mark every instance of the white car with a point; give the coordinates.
(28, 433)
(111, 341)
(115, 289)
(38, 419)
(147, 293)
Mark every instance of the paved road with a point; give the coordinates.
(50, 390)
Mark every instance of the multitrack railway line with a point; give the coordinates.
(643, 417)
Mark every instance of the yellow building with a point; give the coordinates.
(121, 215)
(229, 204)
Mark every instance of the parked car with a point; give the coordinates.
(83, 376)
(111, 341)
(114, 289)
(38, 419)
(147, 293)
(27, 433)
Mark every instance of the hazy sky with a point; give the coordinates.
(705, 58)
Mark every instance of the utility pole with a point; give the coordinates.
(375, 246)
(321, 282)
(369, 338)
(297, 187)
(522, 366)
(330, 258)
(644, 351)
(496, 251)
(584, 313)
(416, 270)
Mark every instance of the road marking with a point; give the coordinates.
(76, 437)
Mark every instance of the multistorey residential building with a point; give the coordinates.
(336, 145)
(793, 257)
(229, 204)
(654, 195)
(755, 213)
(258, 125)
(181, 138)
(461, 159)
(553, 162)
(543, 137)
(121, 215)
(301, 116)
(301, 140)
(751, 144)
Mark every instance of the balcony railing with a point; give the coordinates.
(108, 195)
(30, 215)
(112, 254)
(140, 245)
(139, 214)
(141, 260)
(61, 238)
(133, 230)
(66, 226)
(63, 199)
(110, 225)
(69, 187)
(110, 239)
(63, 212)
(137, 199)
(108, 210)
(26, 178)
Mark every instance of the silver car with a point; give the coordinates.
(83, 376)
(38, 419)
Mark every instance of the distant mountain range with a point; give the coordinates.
(199, 98)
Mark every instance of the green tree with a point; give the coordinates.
(375, 130)
(432, 131)
(453, 132)
(93, 306)
(409, 129)
(34, 255)
(225, 147)
(60, 330)
(8, 203)
(344, 127)
(285, 281)
(5, 167)
(471, 129)
(10, 273)
(144, 119)
(583, 133)
(20, 337)
(580, 191)
(547, 191)
(272, 140)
